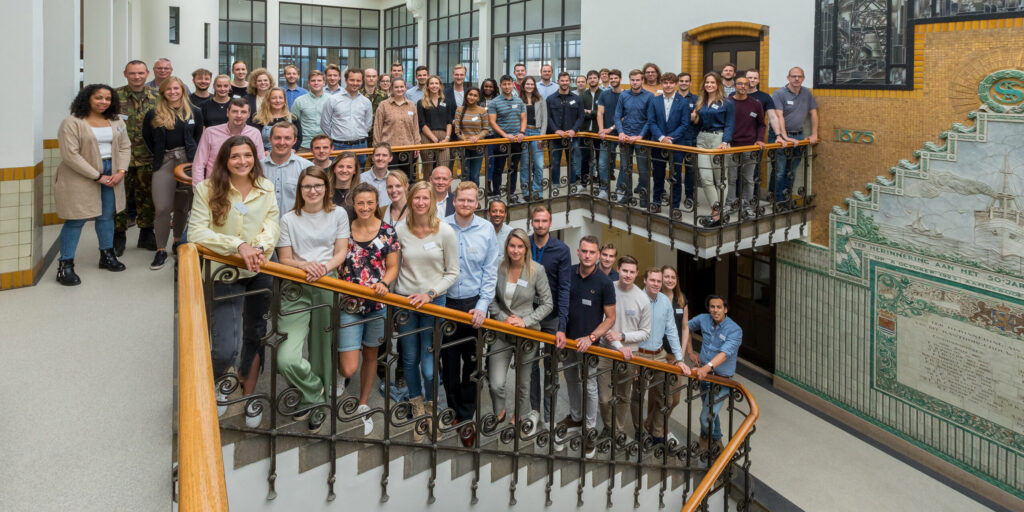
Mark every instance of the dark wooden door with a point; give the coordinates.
(752, 304)
(744, 52)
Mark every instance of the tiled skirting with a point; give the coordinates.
(21, 216)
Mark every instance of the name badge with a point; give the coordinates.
(679, 311)
(442, 104)
(191, 121)
(123, 117)
(241, 207)
(410, 112)
(429, 246)
(789, 102)
(522, 283)
(572, 102)
(586, 302)
(753, 114)
(721, 337)
(630, 312)
(714, 106)
(377, 243)
(474, 118)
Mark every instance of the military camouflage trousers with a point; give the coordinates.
(138, 183)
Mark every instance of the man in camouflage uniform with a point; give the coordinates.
(374, 94)
(136, 100)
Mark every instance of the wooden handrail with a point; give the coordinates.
(180, 172)
(201, 484)
(341, 286)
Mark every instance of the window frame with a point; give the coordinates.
(225, 58)
(407, 54)
(174, 25)
(434, 46)
(303, 54)
(506, 34)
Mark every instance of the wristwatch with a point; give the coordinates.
(431, 293)
(710, 365)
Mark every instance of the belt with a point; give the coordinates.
(349, 142)
(454, 303)
(649, 352)
(531, 127)
(798, 132)
(716, 132)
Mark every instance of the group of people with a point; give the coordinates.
(254, 197)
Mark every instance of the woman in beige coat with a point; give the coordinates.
(95, 150)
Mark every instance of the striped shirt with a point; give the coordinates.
(508, 112)
(473, 124)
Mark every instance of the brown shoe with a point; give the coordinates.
(570, 424)
(468, 436)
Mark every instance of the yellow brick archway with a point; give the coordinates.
(694, 39)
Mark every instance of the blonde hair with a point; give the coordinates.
(327, 202)
(403, 180)
(430, 100)
(164, 115)
(264, 114)
(719, 95)
(527, 262)
(432, 221)
(256, 73)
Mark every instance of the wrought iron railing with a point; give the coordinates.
(679, 456)
(685, 213)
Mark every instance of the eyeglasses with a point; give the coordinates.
(319, 187)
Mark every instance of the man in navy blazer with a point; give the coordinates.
(441, 181)
(670, 116)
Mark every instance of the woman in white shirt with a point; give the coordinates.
(397, 186)
(314, 238)
(429, 266)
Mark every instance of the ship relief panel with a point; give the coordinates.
(940, 245)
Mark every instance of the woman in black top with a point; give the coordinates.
(344, 172)
(215, 109)
(171, 132)
(435, 118)
(672, 288)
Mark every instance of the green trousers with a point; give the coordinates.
(138, 182)
(311, 377)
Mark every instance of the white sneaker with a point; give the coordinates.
(367, 421)
(603, 195)
(534, 417)
(253, 421)
(340, 386)
(221, 409)
(672, 438)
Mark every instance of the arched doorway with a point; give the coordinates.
(743, 43)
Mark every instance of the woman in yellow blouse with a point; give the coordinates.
(235, 212)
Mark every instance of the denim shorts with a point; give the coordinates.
(368, 333)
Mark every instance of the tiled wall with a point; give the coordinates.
(21, 214)
(51, 159)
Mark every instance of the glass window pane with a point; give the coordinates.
(516, 53)
(369, 38)
(311, 36)
(572, 12)
(332, 17)
(553, 51)
(311, 15)
(410, 34)
(371, 18)
(500, 22)
(516, 17)
(350, 37)
(465, 26)
(332, 36)
(432, 56)
(291, 13)
(432, 31)
(222, 31)
(552, 13)
(350, 18)
(453, 27)
(432, 9)
(464, 6)
(240, 10)
(259, 33)
(572, 52)
(240, 32)
(532, 57)
(475, 26)
(534, 13)
(259, 11)
(290, 34)
(387, 39)
(442, 8)
(498, 62)
(223, 12)
(746, 59)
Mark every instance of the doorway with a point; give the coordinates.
(745, 52)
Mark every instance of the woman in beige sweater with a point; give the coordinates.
(95, 150)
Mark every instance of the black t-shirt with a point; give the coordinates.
(587, 298)
(196, 100)
(214, 113)
(531, 115)
(239, 91)
(677, 314)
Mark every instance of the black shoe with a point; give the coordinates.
(174, 249)
(66, 273)
(119, 242)
(109, 261)
(147, 239)
(317, 418)
(159, 259)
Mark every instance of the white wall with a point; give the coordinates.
(625, 35)
(187, 55)
(60, 49)
(22, 26)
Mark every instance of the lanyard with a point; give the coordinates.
(538, 254)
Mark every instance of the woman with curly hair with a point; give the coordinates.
(235, 213)
(260, 83)
(95, 151)
(275, 110)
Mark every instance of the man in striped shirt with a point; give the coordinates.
(507, 115)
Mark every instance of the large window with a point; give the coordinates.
(243, 33)
(400, 41)
(864, 43)
(536, 32)
(312, 37)
(452, 32)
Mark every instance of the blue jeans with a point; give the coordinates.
(71, 231)
(605, 161)
(240, 320)
(643, 161)
(561, 147)
(471, 163)
(711, 407)
(369, 332)
(783, 166)
(361, 145)
(499, 157)
(532, 154)
(417, 355)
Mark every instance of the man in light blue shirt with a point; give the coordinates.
(282, 166)
(348, 116)
(472, 293)
(415, 93)
(720, 347)
(545, 86)
(377, 174)
(310, 107)
(663, 327)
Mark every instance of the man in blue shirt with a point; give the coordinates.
(556, 259)
(471, 293)
(507, 115)
(291, 85)
(565, 117)
(633, 125)
(663, 327)
(606, 104)
(718, 352)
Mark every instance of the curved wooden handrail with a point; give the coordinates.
(201, 484)
(395, 300)
(182, 170)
